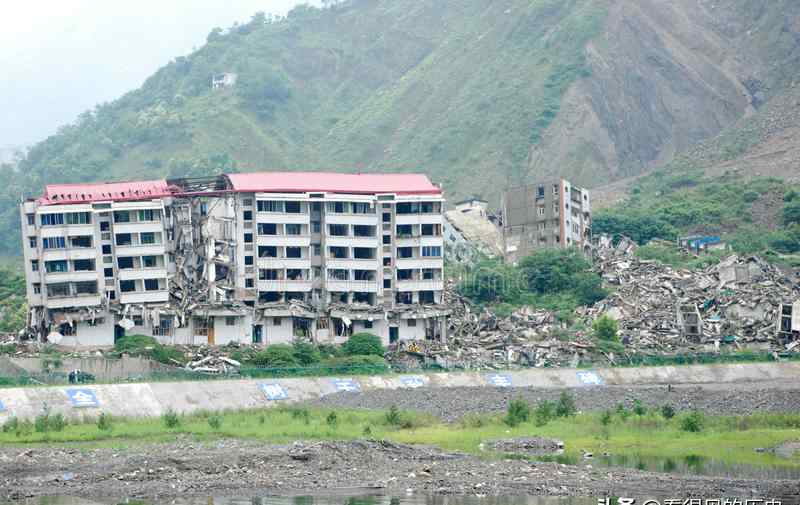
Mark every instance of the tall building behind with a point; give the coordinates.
(545, 214)
(261, 257)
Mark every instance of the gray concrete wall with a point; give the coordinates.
(153, 399)
(103, 369)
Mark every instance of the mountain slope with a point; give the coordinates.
(477, 93)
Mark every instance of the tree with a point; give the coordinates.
(791, 212)
(305, 353)
(553, 270)
(363, 344)
(605, 328)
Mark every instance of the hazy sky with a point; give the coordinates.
(61, 57)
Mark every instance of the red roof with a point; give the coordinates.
(103, 191)
(332, 182)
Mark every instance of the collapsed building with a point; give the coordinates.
(471, 232)
(545, 215)
(249, 258)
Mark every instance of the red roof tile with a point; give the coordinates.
(103, 191)
(331, 182)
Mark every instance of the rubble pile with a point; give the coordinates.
(661, 308)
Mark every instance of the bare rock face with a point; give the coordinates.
(664, 76)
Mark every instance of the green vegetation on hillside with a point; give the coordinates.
(13, 309)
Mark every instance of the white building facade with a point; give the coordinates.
(253, 258)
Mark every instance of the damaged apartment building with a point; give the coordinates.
(251, 258)
(545, 215)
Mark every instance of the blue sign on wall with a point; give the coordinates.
(274, 391)
(499, 380)
(590, 378)
(2, 406)
(82, 398)
(346, 385)
(412, 381)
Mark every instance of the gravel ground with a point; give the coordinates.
(450, 404)
(183, 469)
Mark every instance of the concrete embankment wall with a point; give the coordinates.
(153, 399)
(102, 368)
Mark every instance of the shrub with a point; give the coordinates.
(693, 422)
(363, 344)
(275, 356)
(143, 345)
(367, 431)
(57, 423)
(305, 353)
(393, 417)
(518, 412)
(622, 412)
(667, 411)
(171, 419)
(638, 408)
(104, 422)
(474, 421)
(545, 411)
(606, 417)
(301, 414)
(606, 328)
(332, 420)
(565, 407)
(11, 425)
(215, 422)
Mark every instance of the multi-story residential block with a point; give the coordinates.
(262, 258)
(545, 214)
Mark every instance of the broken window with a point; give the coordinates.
(431, 230)
(82, 241)
(405, 274)
(267, 251)
(268, 274)
(269, 296)
(404, 297)
(267, 229)
(68, 329)
(150, 261)
(86, 288)
(362, 297)
(276, 321)
(164, 328)
(338, 296)
(364, 275)
(58, 290)
(37, 288)
(249, 283)
(368, 325)
(404, 230)
(295, 274)
(387, 261)
(427, 297)
(322, 323)
(338, 274)
(342, 329)
(56, 266)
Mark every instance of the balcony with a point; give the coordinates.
(130, 274)
(285, 285)
(352, 264)
(284, 240)
(419, 240)
(52, 277)
(139, 227)
(87, 300)
(282, 218)
(279, 263)
(414, 263)
(144, 296)
(140, 250)
(421, 285)
(349, 286)
(78, 253)
(418, 218)
(356, 219)
(351, 241)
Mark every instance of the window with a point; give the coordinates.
(247, 202)
(230, 320)
(368, 324)
(37, 288)
(387, 218)
(431, 230)
(292, 207)
(405, 252)
(149, 261)
(86, 288)
(555, 189)
(540, 210)
(56, 266)
(248, 238)
(58, 290)
(267, 274)
(363, 253)
(267, 229)
(52, 219)
(248, 215)
(124, 239)
(405, 275)
(404, 230)
(54, 243)
(540, 192)
(337, 207)
(32, 242)
(147, 237)
(276, 321)
(555, 208)
(105, 225)
(79, 218)
(428, 207)
(31, 219)
(338, 274)
(411, 323)
(294, 252)
(249, 283)
(363, 231)
(112, 295)
(248, 260)
(542, 226)
(83, 241)
(294, 274)
(387, 283)
(317, 248)
(387, 239)
(149, 215)
(269, 251)
(338, 252)
(293, 229)
(407, 208)
(269, 206)
(122, 216)
(387, 262)
(151, 285)
(127, 286)
(362, 208)
(106, 248)
(34, 265)
(431, 251)
(316, 226)
(84, 265)
(337, 230)
(108, 272)
(204, 209)
(125, 262)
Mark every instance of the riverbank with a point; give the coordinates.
(298, 449)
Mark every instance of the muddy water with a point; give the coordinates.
(335, 498)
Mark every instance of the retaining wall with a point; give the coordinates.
(153, 399)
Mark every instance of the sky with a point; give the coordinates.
(59, 58)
